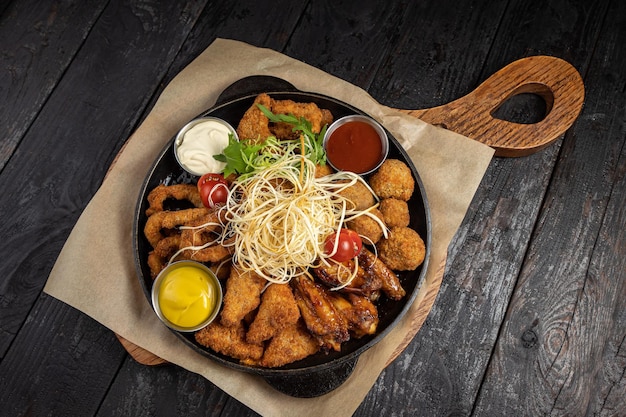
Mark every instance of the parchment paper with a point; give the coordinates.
(98, 277)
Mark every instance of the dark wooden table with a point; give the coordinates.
(531, 316)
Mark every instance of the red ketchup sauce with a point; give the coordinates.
(354, 146)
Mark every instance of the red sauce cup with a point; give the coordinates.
(356, 143)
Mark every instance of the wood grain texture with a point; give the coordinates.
(553, 79)
(42, 205)
(47, 37)
(484, 260)
(568, 296)
(67, 356)
(71, 142)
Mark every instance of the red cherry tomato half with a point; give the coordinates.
(213, 189)
(348, 246)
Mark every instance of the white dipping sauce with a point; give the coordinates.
(197, 145)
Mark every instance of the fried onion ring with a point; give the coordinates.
(164, 220)
(161, 193)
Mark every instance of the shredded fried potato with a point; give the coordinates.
(279, 223)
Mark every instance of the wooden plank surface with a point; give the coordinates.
(533, 296)
(559, 321)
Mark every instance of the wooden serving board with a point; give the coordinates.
(553, 79)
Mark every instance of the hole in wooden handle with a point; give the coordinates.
(553, 79)
(529, 104)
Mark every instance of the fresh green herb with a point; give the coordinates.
(314, 146)
(244, 158)
(239, 156)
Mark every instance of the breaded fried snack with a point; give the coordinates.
(403, 250)
(395, 212)
(393, 180)
(359, 195)
(368, 227)
(243, 294)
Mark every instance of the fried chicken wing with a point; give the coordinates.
(335, 274)
(243, 294)
(360, 313)
(278, 310)
(390, 283)
(320, 316)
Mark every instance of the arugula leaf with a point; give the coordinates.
(238, 156)
(313, 143)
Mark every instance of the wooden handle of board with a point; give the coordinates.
(553, 79)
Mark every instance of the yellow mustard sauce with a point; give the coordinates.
(187, 296)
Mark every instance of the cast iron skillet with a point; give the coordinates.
(320, 373)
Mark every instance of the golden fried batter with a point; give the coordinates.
(161, 193)
(202, 236)
(367, 227)
(393, 180)
(156, 264)
(359, 195)
(277, 311)
(292, 343)
(243, 294)
(309, 111)
(230, 341)
(167, 220)
(395, 212)
(254, 125)
(403, 250)
(323, 170)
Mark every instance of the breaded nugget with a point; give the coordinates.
(403, 250)
(365, 226)
(359, 195)
(393, 180)
(395, 212)
(243, 294)
(254, 125)
(230, 341)
(277, 311)
(291, 344)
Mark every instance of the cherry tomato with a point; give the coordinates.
(213, 189)
(348, 246)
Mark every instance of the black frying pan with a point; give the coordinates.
(320, 373)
